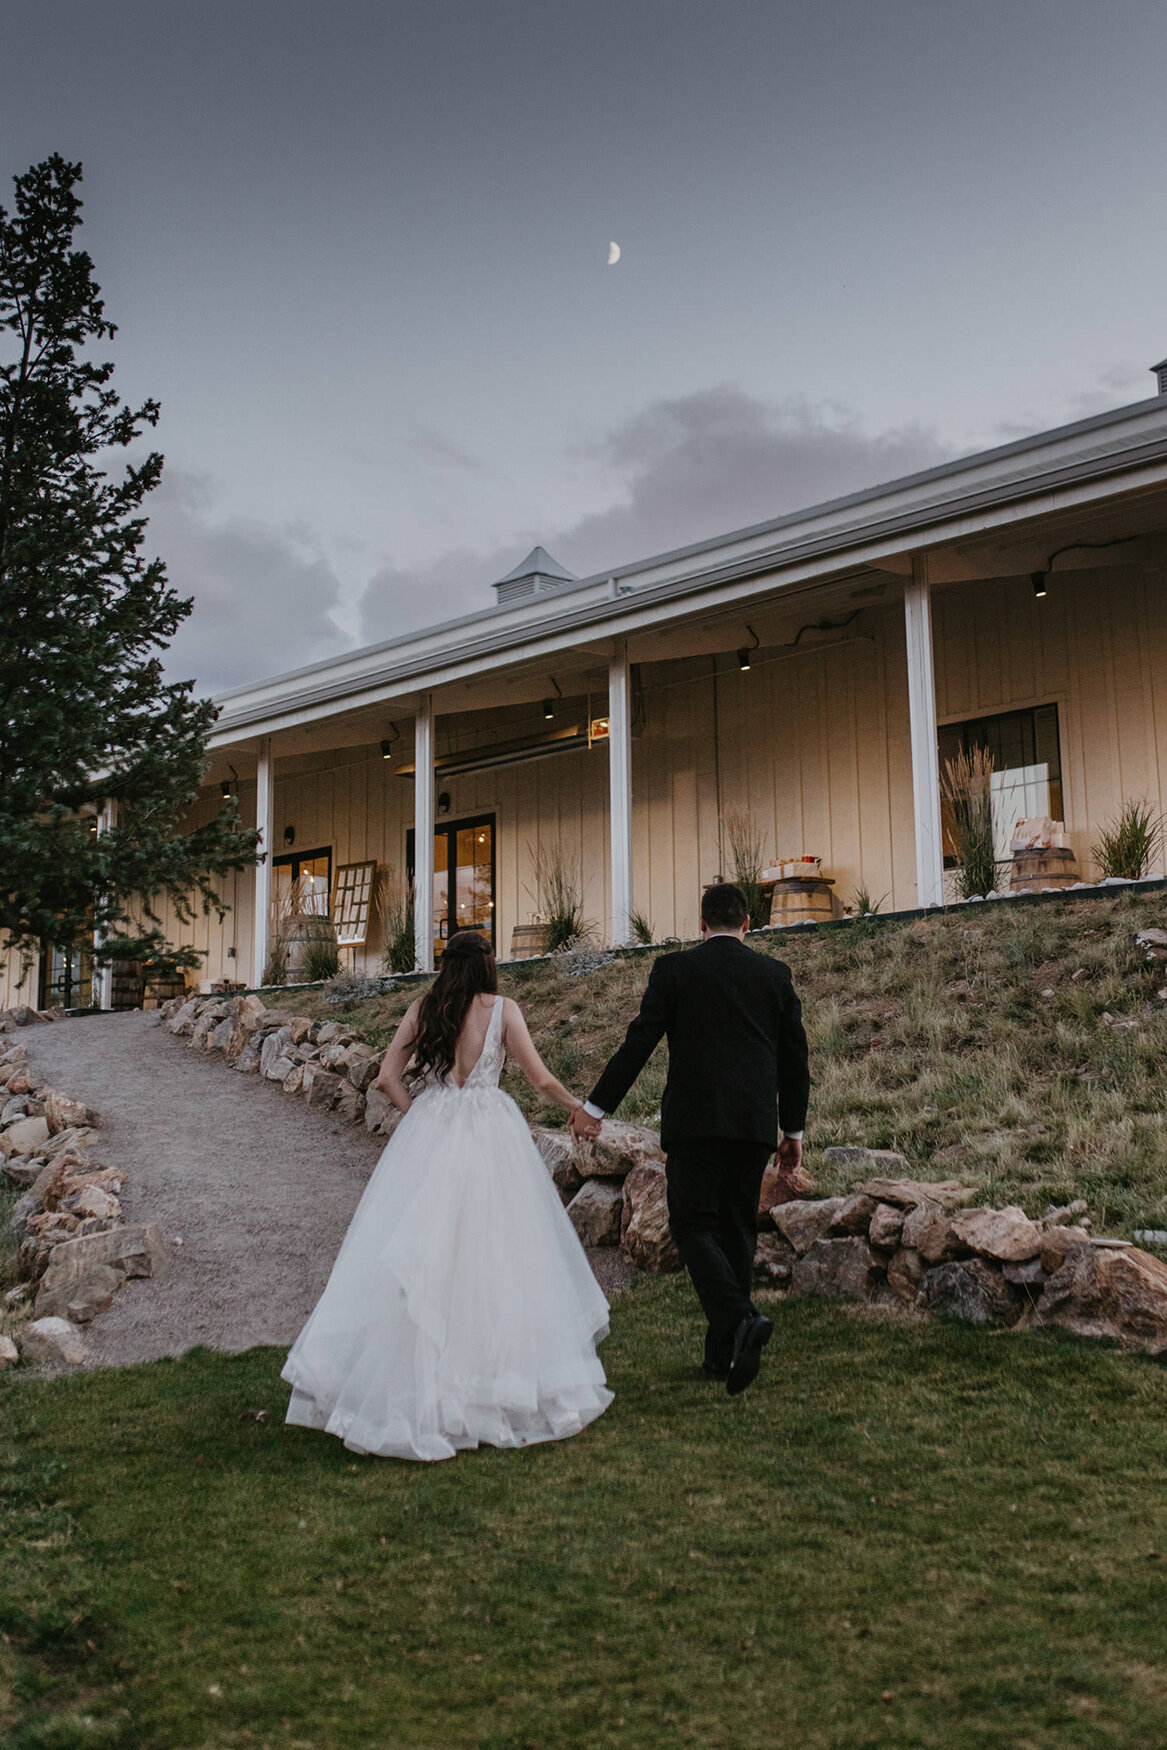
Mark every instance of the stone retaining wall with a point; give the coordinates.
(891, 1241)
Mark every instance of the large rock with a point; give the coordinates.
(294, 1083)
(25, 1137)
(1058, 1242)
(843, 1269)
(93, 1200)
(134, 1251)
(322, 1089)
(644, 1221)
(905, 1272)
(774, 1259)
(908, 1193)
(350, 1105)
(928, 1230)
(557, 1148)
(378, 1106)
(52, 1339)
(620, 1148)
(228, 1037)
(970, 1289)
(80, 1298)
(248, 1011)
(208, 1020)
(280, 1068)
(596, 1211)
(887, 1226)
(779, 1186)
(362, 1066)
(276, 1048)
(62, 1112)
(248, 1061)
(69, 1142)
(1120, 1293)
(182, 1022)
(806, 1220)
(1005, 1234)
(852, 1217)
(9, 1353)
(22, 1171)
(869, 1160)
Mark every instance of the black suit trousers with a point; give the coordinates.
(713, 1188)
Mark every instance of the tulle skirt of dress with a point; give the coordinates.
(461, 1308)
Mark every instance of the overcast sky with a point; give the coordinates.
(358, 251)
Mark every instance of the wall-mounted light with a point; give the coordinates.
(743, 656)
(549, 704)
(1038, 578)
(289, 835)
(225, 788)
(387, 744)
(444, 802)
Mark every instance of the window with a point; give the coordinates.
(1027, 770)
(313, 870)
(463, 851)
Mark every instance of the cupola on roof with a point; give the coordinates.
(534, 575)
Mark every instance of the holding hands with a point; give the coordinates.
(584, 1127)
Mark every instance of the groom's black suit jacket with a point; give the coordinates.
(734, 1027)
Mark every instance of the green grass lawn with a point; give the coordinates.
(907, 1534)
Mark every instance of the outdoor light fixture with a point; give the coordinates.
(549, 704)
(289, 835)
(387, 744)
(225, 786)
(1039, 578)
(444, 802)
(743, 656)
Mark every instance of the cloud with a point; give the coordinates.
(262, 597)
(685, 469)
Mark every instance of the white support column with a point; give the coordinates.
(265, 822)
(103, 977)
(423, 835)
(620, 792)
(925, 750)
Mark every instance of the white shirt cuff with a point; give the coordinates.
(593, 1111)
(792, 1135)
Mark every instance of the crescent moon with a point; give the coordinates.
(613, 254)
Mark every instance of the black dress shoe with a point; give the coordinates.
(749, 1340)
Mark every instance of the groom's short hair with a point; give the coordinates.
(723, 906)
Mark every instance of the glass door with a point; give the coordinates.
(463, 878)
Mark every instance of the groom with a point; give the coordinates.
(737, 1066)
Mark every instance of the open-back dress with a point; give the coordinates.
(461, 1308)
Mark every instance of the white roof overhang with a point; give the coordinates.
(1086, 464)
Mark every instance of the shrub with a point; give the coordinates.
(558, 895)
(1127, 846)
(394, 907)
(748, 859)
(351, 987)
(641, 929)
(864, 905)
(321, 960)
(966, 783)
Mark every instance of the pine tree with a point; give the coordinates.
(85, 713)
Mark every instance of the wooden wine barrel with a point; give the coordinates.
(528, 940)
(157, 991)
(303, 932)
(1032, 871)
(126, 985)
(798, 901)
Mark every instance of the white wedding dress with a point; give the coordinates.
(461, 1308)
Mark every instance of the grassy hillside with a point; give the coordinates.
(936, 1037)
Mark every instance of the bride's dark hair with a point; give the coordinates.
(468, 967)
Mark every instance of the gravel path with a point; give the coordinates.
(258, 1188)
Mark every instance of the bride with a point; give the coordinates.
(461, 1308)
